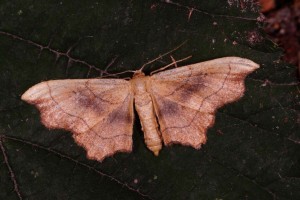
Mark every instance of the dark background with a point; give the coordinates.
(252, 150)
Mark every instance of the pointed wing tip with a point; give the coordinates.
(246, 63)
(25, 96)
(33, 92)
(28, 95)
(242, 63)
(252, 64)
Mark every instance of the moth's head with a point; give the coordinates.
(138, 73)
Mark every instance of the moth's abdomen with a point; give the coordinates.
(145, 110)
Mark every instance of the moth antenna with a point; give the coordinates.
(173, 60)
(161, 56)
(108, 66)
(169, 65)
(115, 74)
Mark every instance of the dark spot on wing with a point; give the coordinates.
(122, 114)
(88, 100)
(193, 86)
(167, 107)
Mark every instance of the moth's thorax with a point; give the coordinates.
(139, 83)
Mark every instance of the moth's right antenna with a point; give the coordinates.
(159, 57)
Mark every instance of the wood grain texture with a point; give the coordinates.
(174, 106)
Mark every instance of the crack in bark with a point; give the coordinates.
(191, 10)
(58, 53)
(244, 176)
(270, 108)
(145, 196)
(267, 82)
(249, 123)
(11, 172)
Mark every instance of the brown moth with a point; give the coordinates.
(174, 106)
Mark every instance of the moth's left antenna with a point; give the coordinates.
(114, 74)
(159, 57)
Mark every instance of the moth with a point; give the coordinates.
(174, 106)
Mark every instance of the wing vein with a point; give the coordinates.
(80, 118)
(202, 103)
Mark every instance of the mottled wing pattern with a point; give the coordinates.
(99, 112)
(186, 98)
